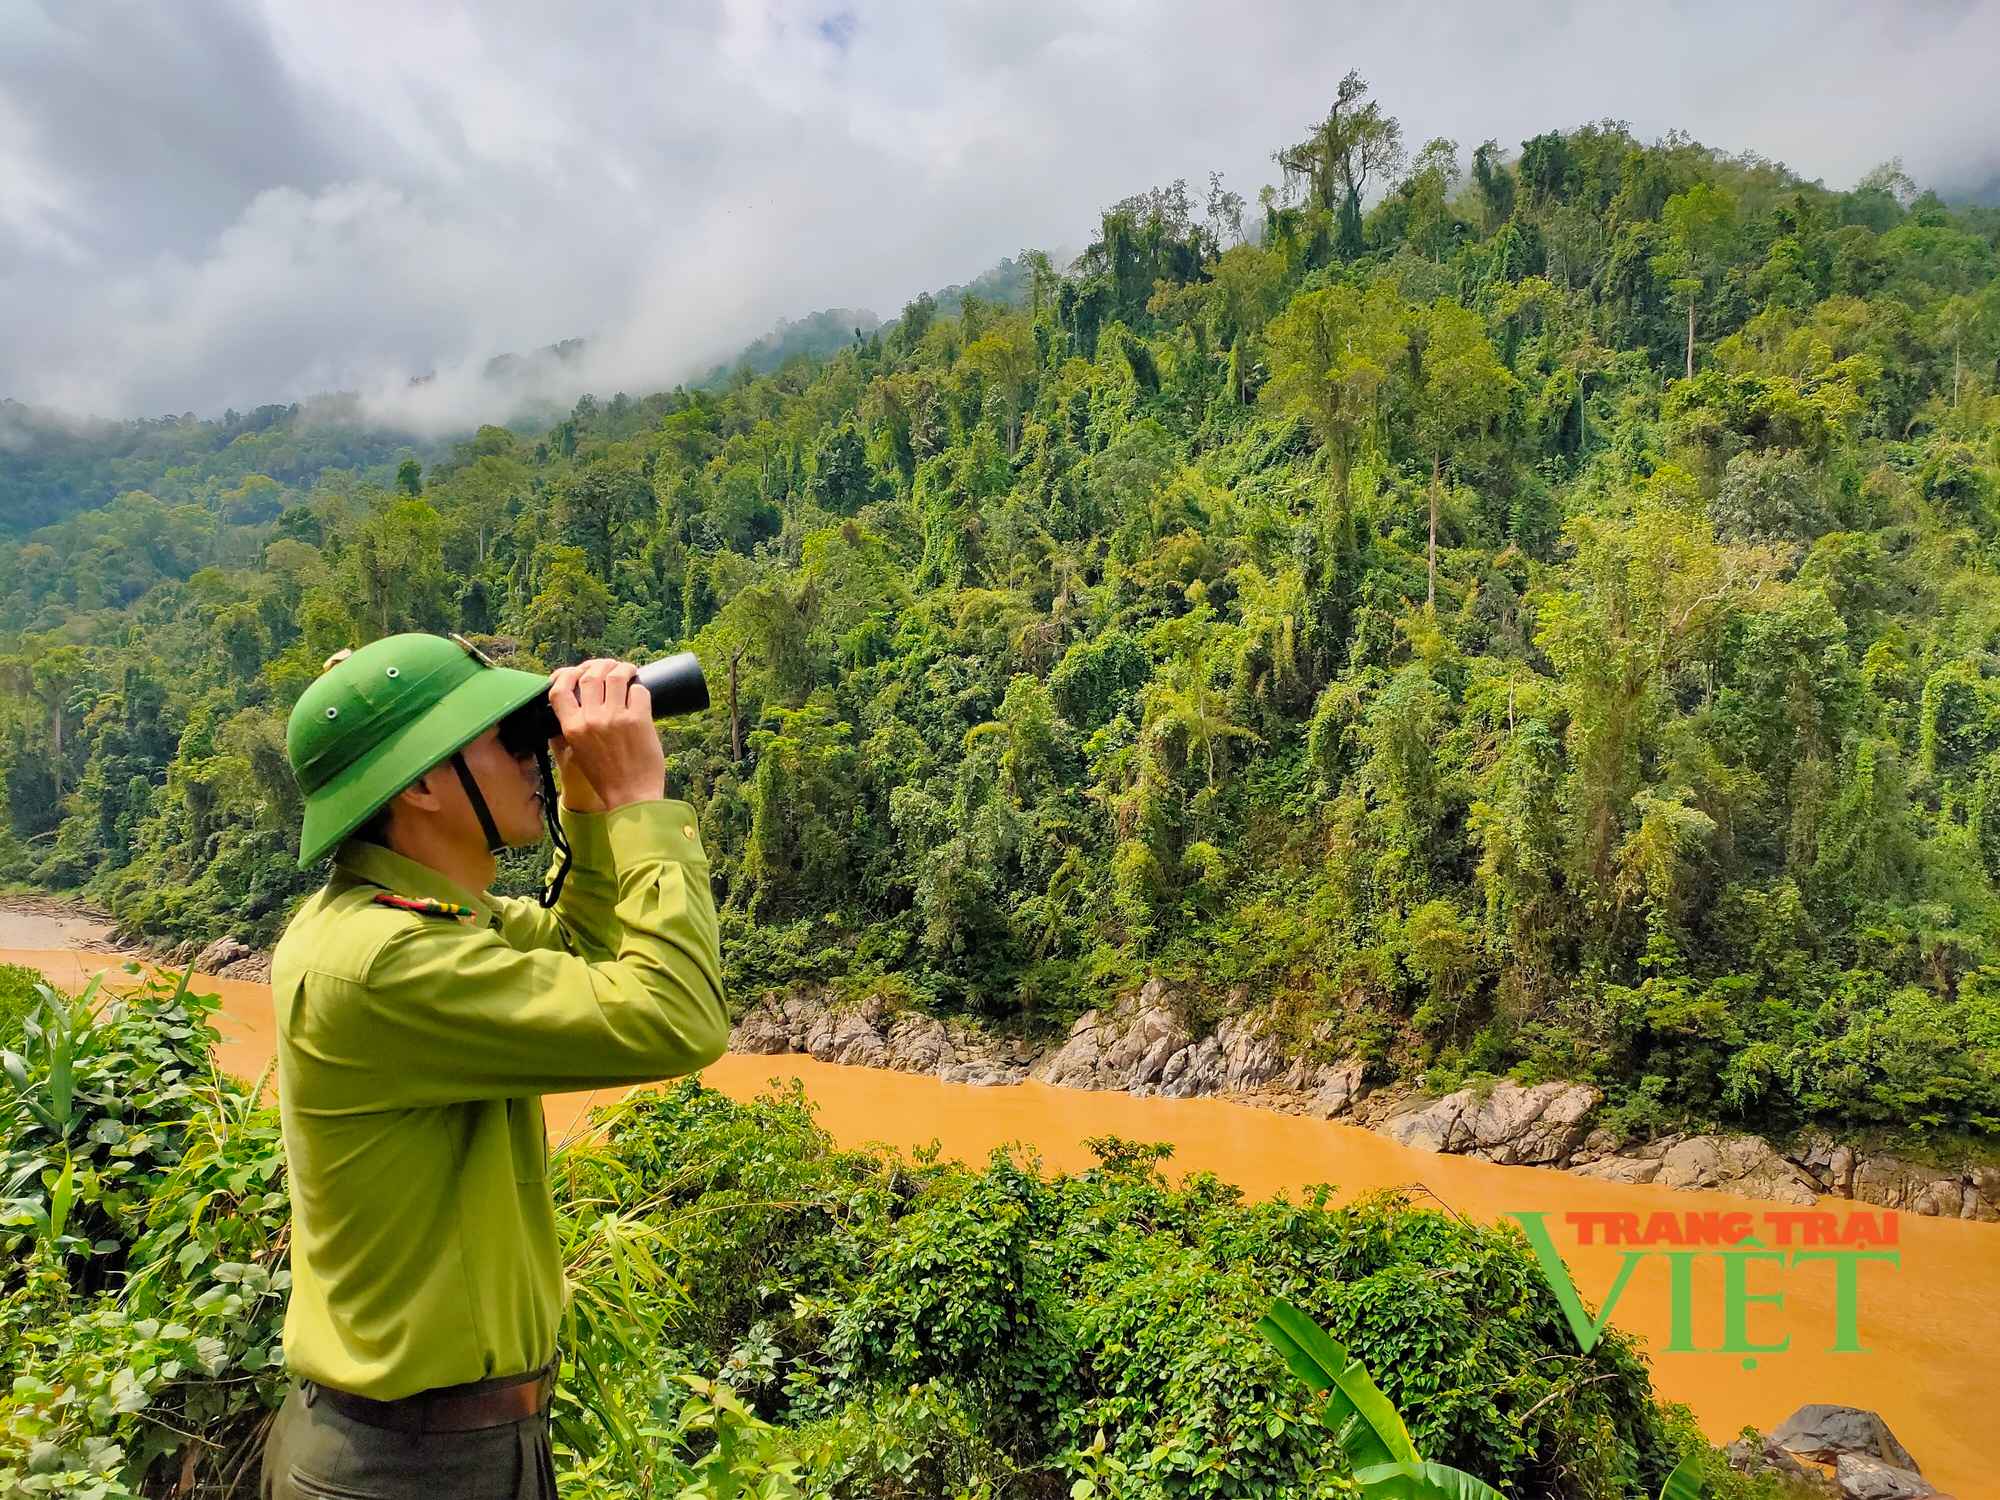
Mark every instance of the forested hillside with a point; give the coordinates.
(1545, 619)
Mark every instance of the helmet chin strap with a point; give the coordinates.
(495, 843)
(554, 819)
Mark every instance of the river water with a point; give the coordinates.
(1930, 1324)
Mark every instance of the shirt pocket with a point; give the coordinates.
(528, 1140)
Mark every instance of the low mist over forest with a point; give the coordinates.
(1503, 608)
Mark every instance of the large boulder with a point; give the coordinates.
(1127, 1048)
(1341, 1087)
(1761, 1454)
(1824, 1433)
(221, 953)
(1249, 1058)
(1074, 1064)
(1913, 1188)
(777, 1023)
(1864, 1478)
(1831, 1164)
(919, 1044)
(982, 1073)
(1985, 1185)
(1630, 1169)
(1509, 1124)
(1141, 1054)
(1194, 1070)
(848, 1035)
(1238, 1058)
(762, 1030)
(1537, 1126)
(1439, 1127)
(1742, 1164)
(1910, 1187)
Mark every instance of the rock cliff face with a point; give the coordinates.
(1909, 1186)
(1741, 1164)
(868, 1035)
(1515, 1126)
(1143, 1045)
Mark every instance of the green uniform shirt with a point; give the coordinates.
(412, 1053)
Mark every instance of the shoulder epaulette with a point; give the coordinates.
(425, 907)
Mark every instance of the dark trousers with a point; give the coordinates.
(315, 1453)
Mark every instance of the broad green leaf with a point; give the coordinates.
(16, 1069)
(60, 1200)
(62, 1079)
(1366, 1423)
(1422, 1481)
(1685, 1482)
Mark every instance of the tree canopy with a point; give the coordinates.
(1545, 618)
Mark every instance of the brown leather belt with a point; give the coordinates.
(452, 1408)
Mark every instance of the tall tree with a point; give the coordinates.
(57, 675)
(1461, 388)
(596, 505)
(567, 618)
(1701, 226)
(1006, 357)
(1355, 143)
(1332, 353)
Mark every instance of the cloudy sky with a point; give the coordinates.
(206, 203)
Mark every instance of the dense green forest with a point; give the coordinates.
(1523, 610)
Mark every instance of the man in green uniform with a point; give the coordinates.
(420, 1020)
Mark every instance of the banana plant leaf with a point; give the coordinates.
(1685, 1482)
(1366, 1423)
(1422, 1481)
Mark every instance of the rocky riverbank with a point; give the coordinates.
(39, 923)
(1837, 1451)
(226, 958)
(1143, 1045)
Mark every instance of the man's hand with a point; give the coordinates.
(609, 754)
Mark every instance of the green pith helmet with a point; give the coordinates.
(374, 722)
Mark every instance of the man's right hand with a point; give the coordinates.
(609, 754)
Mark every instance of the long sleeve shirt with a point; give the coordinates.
(413, 1049)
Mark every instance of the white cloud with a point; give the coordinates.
(34, 201)
(227, 203)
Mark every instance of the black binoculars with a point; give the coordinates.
(675, 683)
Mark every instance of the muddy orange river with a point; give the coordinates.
(1930, 1324)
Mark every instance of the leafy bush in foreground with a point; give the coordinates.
(144, 1230)
(1042, 1331)
(19, 995)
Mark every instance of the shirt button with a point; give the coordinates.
(687, 830)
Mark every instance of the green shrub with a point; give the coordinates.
(1044, 1331)
(20, 993)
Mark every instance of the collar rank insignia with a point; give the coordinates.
(425, 907)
